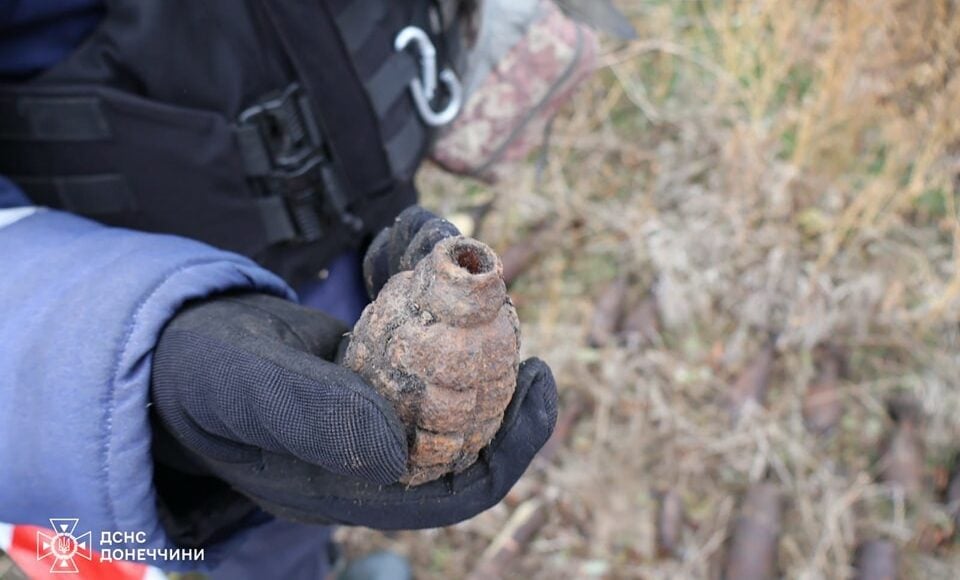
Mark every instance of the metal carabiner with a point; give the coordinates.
(424, 88)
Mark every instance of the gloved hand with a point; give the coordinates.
(247, 389)
(401, 246)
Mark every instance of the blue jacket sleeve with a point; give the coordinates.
(81, 309)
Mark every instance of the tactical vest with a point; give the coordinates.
(284, 130)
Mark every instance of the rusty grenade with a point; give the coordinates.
(441, 343)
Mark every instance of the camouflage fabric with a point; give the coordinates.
(504, 118)
(499, 26)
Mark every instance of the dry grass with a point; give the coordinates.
(764, 167)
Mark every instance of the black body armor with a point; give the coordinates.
(284, 130)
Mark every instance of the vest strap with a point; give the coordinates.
(53, 119)
(359, 20)
(391, 81)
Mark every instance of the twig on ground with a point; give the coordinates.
(670, 520)
(523, 525)
(901, 463)
(822, 403)
(753, 543)
(608, 313)
(753, 382)
(876, 560)
(520, 256)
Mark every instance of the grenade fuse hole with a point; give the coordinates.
(472, 259)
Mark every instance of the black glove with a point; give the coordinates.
(245, 389)
(401, 246)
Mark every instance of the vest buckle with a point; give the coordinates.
(285, 153)
(286, 127)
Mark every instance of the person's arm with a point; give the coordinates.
(243, 380)
(81, 309)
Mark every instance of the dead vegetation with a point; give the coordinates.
(754, 169)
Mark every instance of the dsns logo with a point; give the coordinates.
(63, 546)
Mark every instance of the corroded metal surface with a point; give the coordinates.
(441, 343)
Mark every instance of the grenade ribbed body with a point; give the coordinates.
(441, 343)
